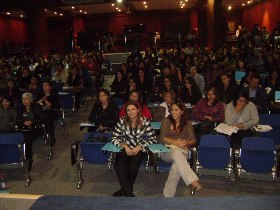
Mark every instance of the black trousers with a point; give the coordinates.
(51, 116)
(29, 137)
(236, 138)
(127, 169)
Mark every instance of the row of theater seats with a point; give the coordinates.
(257, 154)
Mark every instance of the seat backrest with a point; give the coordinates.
(118, 101)
(92, 153)
(214, 141)
(66, 101)
(270, 119)
(9, 151)
(214, 152)
(257, 155)
(273, 134)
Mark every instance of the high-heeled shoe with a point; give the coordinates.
(195, 189)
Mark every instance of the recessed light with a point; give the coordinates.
(85, 12)
(146, 6)
(21, 15)
(113, 5)
(73, 7)
(119, 1)
(144, 2)
(229, 7)
(61, 14)
(55, 13)
(80, 10)
(8, 13)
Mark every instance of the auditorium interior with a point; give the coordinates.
(102, 39)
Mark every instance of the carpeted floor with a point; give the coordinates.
(220, 202)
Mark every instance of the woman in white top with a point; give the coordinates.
(242, 114)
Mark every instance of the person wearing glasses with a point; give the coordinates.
(177, 134)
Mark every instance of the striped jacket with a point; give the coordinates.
(143, 136)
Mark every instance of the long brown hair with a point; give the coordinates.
(127, 120)
(184, 117)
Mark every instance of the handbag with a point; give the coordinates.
(97, 137)
(207, 127)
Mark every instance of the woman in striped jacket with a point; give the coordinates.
(133, 133)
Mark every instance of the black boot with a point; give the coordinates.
(119, 193)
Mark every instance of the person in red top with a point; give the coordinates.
(136, 96)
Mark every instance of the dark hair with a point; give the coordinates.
(184, 117)
(103, 90)
(7, 98)
(256, 76)
(141, 100)
(192, 82)
(212, 88)
(242, 94)
(127, 121)
(121, 71)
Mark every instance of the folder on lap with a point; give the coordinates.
(277, 96)
(155, 125)
(157, 148)
(239, 75)
(111, 148)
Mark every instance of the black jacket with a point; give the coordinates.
(107, 117)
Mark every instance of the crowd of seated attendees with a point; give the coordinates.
(203, 78)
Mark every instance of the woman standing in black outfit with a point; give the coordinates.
(75, 81)
(49, 101)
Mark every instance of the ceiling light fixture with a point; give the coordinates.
(55, 13)
(80, 11)
(119, 1)
(8, 13)
(73, 7)
(243, 4)
(229, 7)
(113, 5)
(85, 12)
(21, 16)
(146, 6)
(61, 14)
(144, 2)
